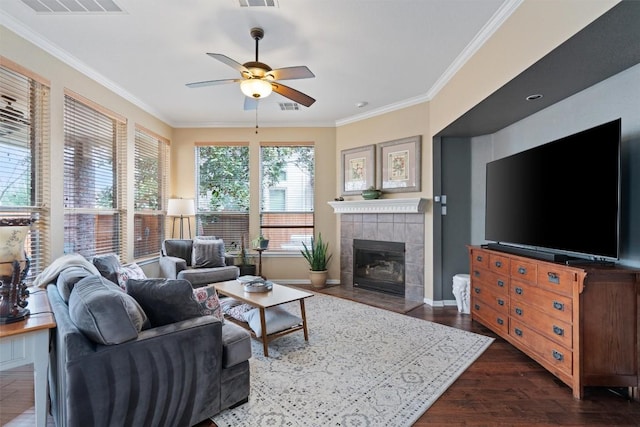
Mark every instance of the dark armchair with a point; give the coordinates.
(201, 261)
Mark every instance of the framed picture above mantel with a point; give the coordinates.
(399, 164)
(358, 169)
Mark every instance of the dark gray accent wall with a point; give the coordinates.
(617, 96)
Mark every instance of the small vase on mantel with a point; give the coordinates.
(371, 193)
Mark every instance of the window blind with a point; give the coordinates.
(150, 170)
(222, 201)
(287, 195)
(94, 158)
(24, 154)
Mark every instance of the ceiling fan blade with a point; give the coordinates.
(290, 73)
(212, 82)
(230, 62)
(293, 94)
(250, 103)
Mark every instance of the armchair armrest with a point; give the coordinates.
(170, 266)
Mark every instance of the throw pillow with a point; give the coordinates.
(235, 309)
(104, 313)
(68, 278)
(131, 271)
(276, 318)
(208, 299)
(165, 301)
(208, 253)
(108, 265)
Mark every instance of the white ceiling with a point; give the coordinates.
(388, 53)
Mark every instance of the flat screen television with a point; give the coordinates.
(561, 197)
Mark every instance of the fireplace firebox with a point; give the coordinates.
(379, 266)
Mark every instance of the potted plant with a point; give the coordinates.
(260, 242)
(318, 257)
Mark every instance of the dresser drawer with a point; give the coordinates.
(479, 258)
(499, 264)
(484, 314)
(523, 270)
(555, 355)
(556, 279)
(555, 305)
(497, 283)
(553, 328)
(483, 292)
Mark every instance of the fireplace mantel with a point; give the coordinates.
(416, 205)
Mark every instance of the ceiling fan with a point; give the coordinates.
(259, 80)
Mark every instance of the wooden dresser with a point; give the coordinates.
(580, 323)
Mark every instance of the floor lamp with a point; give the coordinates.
(181, 208)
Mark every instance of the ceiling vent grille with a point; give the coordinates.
(289, 106)
(258, 3)
(73, 6)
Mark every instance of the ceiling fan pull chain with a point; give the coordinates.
(257, 117)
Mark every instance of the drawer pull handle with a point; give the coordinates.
(498, 264)
(479, 258)
(476, 306)
(500, 321)
(522, 270)
(500, 302)
(477, 290)
(519, 311)
(518, 332)
(553, 278)
(557, 355)
(558, 330)
(519, 291)
(558, 305)
(476, 273)
(501, 283)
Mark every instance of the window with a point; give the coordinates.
(24, 151)
(222, 201)
(287, 195)
(94, 158)
(150, 169)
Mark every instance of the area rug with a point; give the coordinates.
(363, 366)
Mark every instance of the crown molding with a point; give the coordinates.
(415, 205)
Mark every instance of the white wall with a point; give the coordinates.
(618, 96)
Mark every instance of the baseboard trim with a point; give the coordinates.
(301, 281)
(440, 303)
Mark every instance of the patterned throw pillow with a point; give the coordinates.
(207, 253)
(131, 271)
(208, 299)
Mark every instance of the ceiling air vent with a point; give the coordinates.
(258, 3)
(289, 106)
(73, 6)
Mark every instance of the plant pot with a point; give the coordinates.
(318, 278)
(247, 270)
(264, 243)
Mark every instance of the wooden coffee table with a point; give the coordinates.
(263, 300)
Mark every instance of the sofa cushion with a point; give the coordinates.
(103, 312)
(208, 253)
(205, 276)
(68, 278)
(235, 309)
(208, 299)
(165, 300)
(108, 265)
(131, 271)
(236, 345)
(180, 248)
(277, 319)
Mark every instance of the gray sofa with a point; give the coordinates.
(108, 372)
(201, 261)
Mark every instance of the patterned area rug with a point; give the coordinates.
(363, 366)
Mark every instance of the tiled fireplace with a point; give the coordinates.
(387, 220)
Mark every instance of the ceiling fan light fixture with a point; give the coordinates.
(256, 88)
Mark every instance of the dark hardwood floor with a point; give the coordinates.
(502, 388)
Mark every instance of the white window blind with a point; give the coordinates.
(287, 195)
(94, 158)
(222, 202)
(151, 167)
(24, 154)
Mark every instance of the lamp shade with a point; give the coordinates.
(256, 88)
(181, 207)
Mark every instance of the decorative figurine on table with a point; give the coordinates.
(13, 290)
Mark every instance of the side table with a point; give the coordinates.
(260, 250)
(27, 341)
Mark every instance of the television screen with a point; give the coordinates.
(563, 195)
